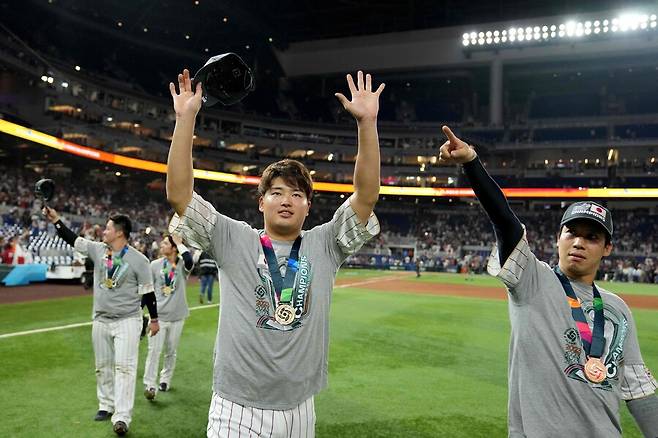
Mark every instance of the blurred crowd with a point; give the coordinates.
(439, 239)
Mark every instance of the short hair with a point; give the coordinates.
(171, 241)
(292, 172)
(122, 223)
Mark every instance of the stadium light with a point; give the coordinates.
(630, 22)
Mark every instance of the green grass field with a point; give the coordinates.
(401, 365)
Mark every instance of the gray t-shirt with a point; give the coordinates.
(132, 280)
(172, 305)
(259, 362)
(549, 395)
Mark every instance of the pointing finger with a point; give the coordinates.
(448, 132)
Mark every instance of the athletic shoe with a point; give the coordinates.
(120, 428)
(163, 387)
(102, 415)
(149, 393)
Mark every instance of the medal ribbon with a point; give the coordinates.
(168, 273)
(593, 343)
(113, 262)
(282, 286)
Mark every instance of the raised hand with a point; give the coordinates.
(186, 102)
(50, 214)
(454, 150)
(365, 102)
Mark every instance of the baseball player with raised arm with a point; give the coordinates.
(574, 352)
(122, 281)
(276, 283)
(170, 273)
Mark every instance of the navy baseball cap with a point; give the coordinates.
(224, 78)
(589, 210)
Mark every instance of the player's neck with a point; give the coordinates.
(118, 244)
(172, 257)
(281, 235)
(580, 278)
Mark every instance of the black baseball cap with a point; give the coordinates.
(224, 78)
(589, 210)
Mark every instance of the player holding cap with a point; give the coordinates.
(574, 352)
(122, 282)
(273, 338)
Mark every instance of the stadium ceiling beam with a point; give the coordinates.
(442, 48)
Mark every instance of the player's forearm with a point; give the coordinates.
(180, 176)
(645, 413)
(65, 233)
(508, 227)
(150, 302)
(367, 166)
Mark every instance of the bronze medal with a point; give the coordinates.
(108, 283)
(284, 314)
(166, 290)
(595, 370)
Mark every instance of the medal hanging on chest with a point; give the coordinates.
(169, 275)
(284, 312)
(593, 341)
(113, 265)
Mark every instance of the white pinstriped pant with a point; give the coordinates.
(227, 419)
(116, 345)
(167, 337)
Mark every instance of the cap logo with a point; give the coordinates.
(590, 210)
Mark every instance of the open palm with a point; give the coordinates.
(365, 102)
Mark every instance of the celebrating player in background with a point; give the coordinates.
(122, 280)
(170, 273)
(574, 350)
(272, 343)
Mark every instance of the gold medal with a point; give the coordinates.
(595, 370)
(166, 290)
(108, 283)
(284, 314)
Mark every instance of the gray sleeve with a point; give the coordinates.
(197, 223)
(93, 250)
(202, 227)
(520, 273)
(144, 275)
(348, 231)
(645, 413)
(636, 381)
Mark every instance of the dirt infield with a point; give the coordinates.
(392, 283)
(35, 292)
(416, 287)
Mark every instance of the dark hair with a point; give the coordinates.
(122, 223)
(293, 173)
(171, 240)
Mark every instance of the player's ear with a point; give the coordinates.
(260, 204)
